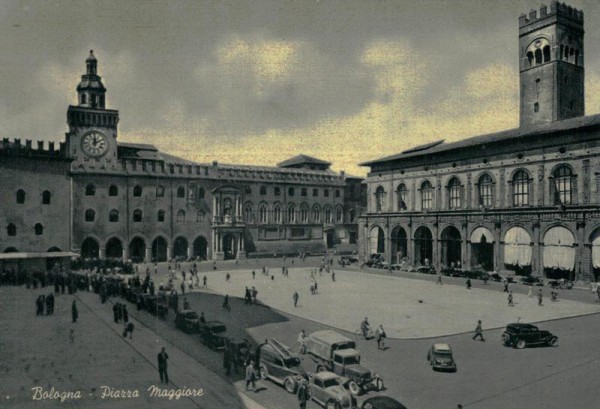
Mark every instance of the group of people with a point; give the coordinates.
(368, 333)
(250, 295)
(47, 301)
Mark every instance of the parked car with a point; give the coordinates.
(382, 402)
(453, 272)
(277, 363)
(500, 278)
(212, 334)
(520, 335)
(326, 389)
(336, 353)
(532, 280)
(440, 358)
(348, 260)
(243, 351)
(187, 321)
(156, 305)
(426, 269)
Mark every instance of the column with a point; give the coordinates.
(190, 251)
(168, 252)
(410, 244)
(583, 253)
(125, 253)
(148, 255)
(464, 248)
(498, 255)
(101, 253)
(388, 243)
(536, 262)
(436, 249)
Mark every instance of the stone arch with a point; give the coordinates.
(159, 249)
(482, 248)
(376, 240)
(114, 248)
(90, 248)
(399, 240)
(200, 246)
(517, 249)
(137, 248)
(451, 247)
(180, 247)
(423, 242)
(559, 252)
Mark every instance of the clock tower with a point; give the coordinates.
(92, 135)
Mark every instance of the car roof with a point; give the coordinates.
(346, 352)
(383, 402)
(325, 375)
(521, 325)
(329, 336)
(214, 323)
(442, 347)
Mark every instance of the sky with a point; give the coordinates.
(259, 81)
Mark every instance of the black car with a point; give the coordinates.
(382, 402)
(532, 280)
(521, 335)
(156, 305)
(187, 321)
(212, 334)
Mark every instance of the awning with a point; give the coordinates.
(596, 252)
(481, 233)
(52, 254)
(517, 249)
(558, 248)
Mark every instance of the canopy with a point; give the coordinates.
(517, 249)
(478, 235)
(558, 248)
(596, 251)
(51, 254)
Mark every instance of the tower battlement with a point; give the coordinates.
(556, 9)
(15, 147)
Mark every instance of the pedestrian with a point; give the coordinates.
(439, 280)
(115, 314)
(295, 297)
(202, 319)
(253, 274)
(380, 334)
(227, 277)
(303, 393)
(250, 376)
(125, 314)
(247, 296)
(49, 304)
(510, 299)
(226, 303)
(254, 293)
(540, 297)
(333, 276)
(74, 312)
(530, 292)
(302, 342)
(162, 366)
(479, 331)
(468, 283)
(204, 280)
(186, 303)
(119, 312)
(39, 306)
(506, 286)
(316, 288)
(128, 330)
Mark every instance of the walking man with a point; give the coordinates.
(296, 296)
(162, 366)
(380, 334)
(510, 299)
(204, 280)
(250, 376)
(302, 342)
(303, 393)
(439, 280)
(479, 331)
(540, 297)
(74, 312)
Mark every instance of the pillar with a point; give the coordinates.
(101, 253)
(190, 251)
(148, 255)
(125, 253)
(536, 262)
(410, 244)
(168, 252)
(464, 248)
(583, 254)
(498, 251)
(436, 249)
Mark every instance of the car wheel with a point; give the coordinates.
(521, 344)
(289, 385)
(553, 342)
(330, 405)
(264, 372)
(379, 384)
(505, 338)
(353, 388)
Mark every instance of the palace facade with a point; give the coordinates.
(525, 199)
(102, 198)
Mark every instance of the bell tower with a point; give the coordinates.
(92, 128)
(551, 64)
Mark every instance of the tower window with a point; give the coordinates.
(277, 191)
(39, 229)
(137, 191)
(113, 216)
(303, 192)
(536, 107)
(315, 192)
(90, 215)
(263, 190)
(11, 230)
(181, 216)
(181, 191)
(90, 190)
(94, 102)
(137, 215)
(547, 53)
(83, 99)
(160, 216)
(538, 56)
(20, 196)
(291, 191)
(113, 190)
(47, 196)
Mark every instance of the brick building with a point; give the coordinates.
(524, 199)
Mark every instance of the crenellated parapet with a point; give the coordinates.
(556, 9)
(15, 147)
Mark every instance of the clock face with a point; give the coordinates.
(94, 143)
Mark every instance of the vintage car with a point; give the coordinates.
(277, 363)
(326, 389)
(519, 335)
(381, 402)
(187, 321)
(336, 353)
(532, 280)
(212, 334)
(440, 358)
(155, 305)
(243, 351)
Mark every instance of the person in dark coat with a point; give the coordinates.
(162, 366)
(226, 303)
(40, 305)
(115, 312)
(247, 296)
(226, 358)
(74, 312)
(125, 314)
(202, 319)
(50, 304)
(303, 394)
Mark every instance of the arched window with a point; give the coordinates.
(291, 214)
(137, 191)
(485, 190)
(530, 58)
(454, 194)
(39, 229)
(46, 197)
(200, 216)
(379, 199)
(316, 214)
(11, 230)
(181, 191)
(276, 213)
(326, 192)
(337, 192)
(538, 56)
(181, 216)
(90, 190)
(113, 190)
(401, 194)
(339, 214)
(227, 206)
(137, 215)
(113, 216)
(160, 216)
(304, 213)
(277, 191)
(160, 191)
(328, 214)
(248, 213)
(291, 191)
(315, 192)
(547, 53)
(90, 215)
(520, 188)
(20, 196)
(304, 192)
(563, 185)
(201, 193)
(263, 190)
(262, 213)
(351, 215)
(426, 196)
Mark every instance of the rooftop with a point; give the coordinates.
(302, 159)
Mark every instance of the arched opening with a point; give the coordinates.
(377, 241)
(11, 250)
(330, 238)
(229, 246)
(52, 261)
(538, 56)
(90, 248)
(547, 53)
(137, 249)
(159, 249)
(482, 249)
(399, 245)
(451, 247)
(200, 248)
(517, 250)
(595, 240)
(114, 248)
(423, 246)
(559, 253)
(180, 246)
